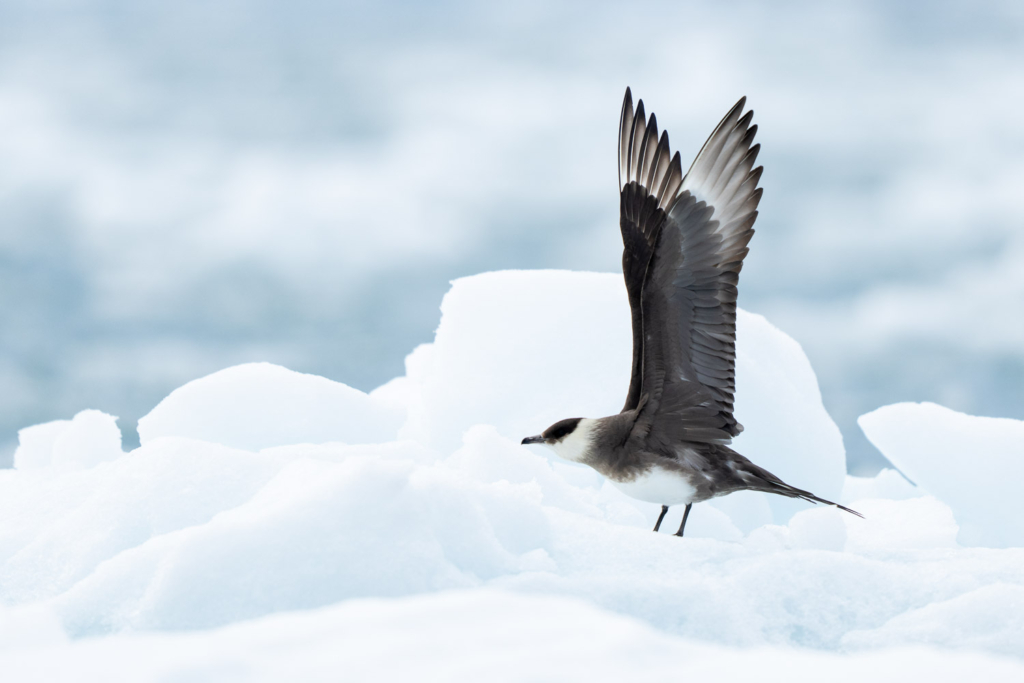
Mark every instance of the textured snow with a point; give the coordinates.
(974, 464)
(470, 636)
(282, 523)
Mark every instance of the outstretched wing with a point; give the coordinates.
(649, 180)
(688, 299)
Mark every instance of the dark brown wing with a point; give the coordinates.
(688, 300)
(649, 180)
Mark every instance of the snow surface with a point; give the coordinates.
(975, 464)
(260, 405)
(471, 636)
(435, 545)
(88, 439)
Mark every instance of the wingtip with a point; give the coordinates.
(625, 131)
(627, 100)
(734, 113)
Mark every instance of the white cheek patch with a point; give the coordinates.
(575, 446)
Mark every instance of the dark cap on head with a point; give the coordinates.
(555, 432)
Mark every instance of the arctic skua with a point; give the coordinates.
(685, 237)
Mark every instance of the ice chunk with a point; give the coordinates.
(973, 464)
(88, 439)
(35, 444)
(260, 405)
(521, 349)
(91, 438)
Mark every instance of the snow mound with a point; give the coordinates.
(88, 439)
(520, 350)
(183, 534)
(974, 464)
(260, 405)
(470, 636)
(317, 532)
(59, 526)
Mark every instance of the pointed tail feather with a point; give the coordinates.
(811, 498)
(783, 489)
(760, 479)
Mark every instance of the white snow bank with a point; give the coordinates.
(260, 405)
(187, 533)
(974, 464)
(990, 617)
(88, 439)
(469, 636)
(520, 350)
(59, 526)
(182, 534)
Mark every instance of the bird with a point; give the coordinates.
(684, 240)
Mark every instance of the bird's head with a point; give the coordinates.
(570, 438)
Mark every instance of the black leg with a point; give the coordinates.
(686, 513)
(664, 509)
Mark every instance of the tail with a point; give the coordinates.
(783, 489)
(759, 479)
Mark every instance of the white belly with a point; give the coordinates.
(658, 485)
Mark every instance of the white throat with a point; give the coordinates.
(575, 446)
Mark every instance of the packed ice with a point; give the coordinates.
(268, 507)
(976, 464)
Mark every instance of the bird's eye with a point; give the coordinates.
(560, 429)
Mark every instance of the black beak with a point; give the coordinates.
(533, 439)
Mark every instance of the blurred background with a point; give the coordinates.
(186, 186)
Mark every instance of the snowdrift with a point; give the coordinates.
(464, 636)
(975, 464)
(260, 405)
(413, 509)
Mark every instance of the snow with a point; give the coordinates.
(972, 463)
(260, 405)
(88, 439)
(278, 525)
(471, 636)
